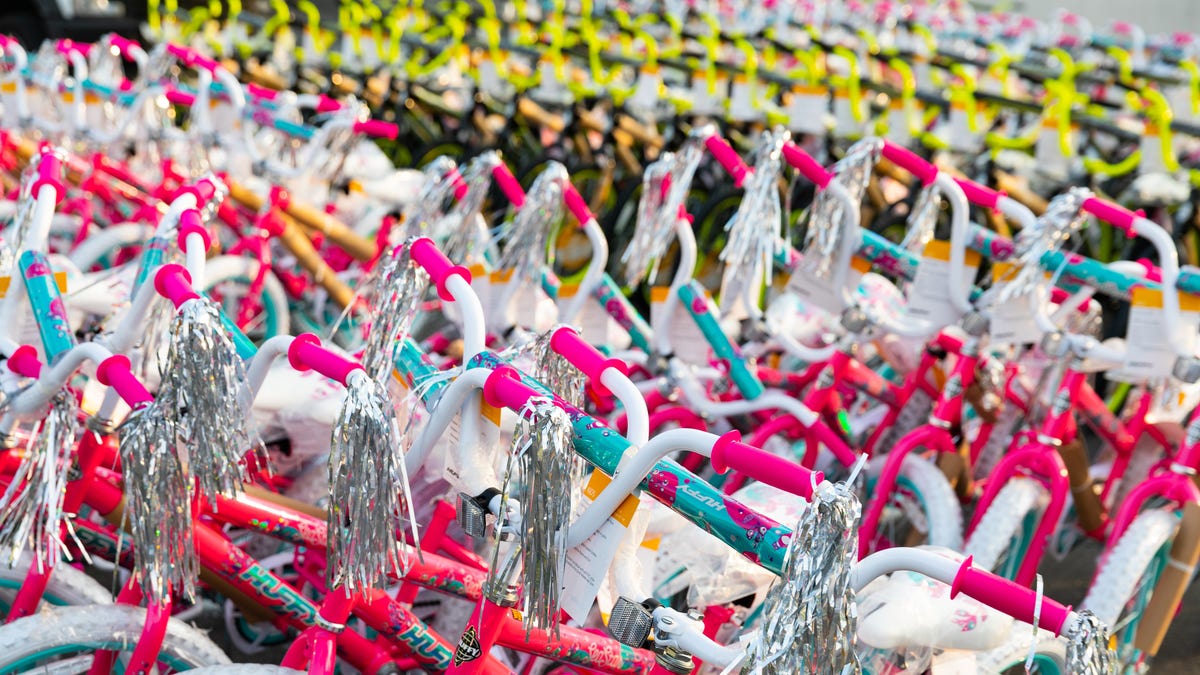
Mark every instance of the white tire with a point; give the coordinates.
(239, 269)
(1009, 658)
(108, 241)
(69, 636)
(1127, 562)
(938, 503)
(1002, 522)
(68, 586)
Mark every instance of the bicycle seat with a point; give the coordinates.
(911, 610)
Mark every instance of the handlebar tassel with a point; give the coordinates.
(810, 613)
(204, 395)
(369, 495)
(1088, 648)
(31, 515)
(159, 504)
(397, 293)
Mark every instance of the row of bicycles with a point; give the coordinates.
(647, 338)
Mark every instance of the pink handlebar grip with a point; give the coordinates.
(730, 453)
(175, 284)
(439, 267)
(460, 183)
(1153, 272)
(306, 353)
(68, 47)
(508, 184)
(326, 104)
(504, 389)
(911, 162)
(260, 92)
(190, 223)
(577, 205)
(980, 195)
(50, 171)
(25, 362)
(571, 346)
(728, 157)
(123, 44)
(806, 165)
(114, 372)
(203, 190)
(1115, 215)
(1008, 597)
(180, 98)
(377, 129)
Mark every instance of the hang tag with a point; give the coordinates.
(487, 440)
(1150, 351)
(957, 133)
(1153, 160)
(60, 280)
(820, 292)
(706, 102)
(807, 109)
(594, 323)
(549, 87)
(687, 341)
(588, 564)
(929, 295)
(1012, 321)
(648, 89)
(899, 122)
(954, 662)
(844, 121)
(1050, 158)
(490, 81)
(742, 102)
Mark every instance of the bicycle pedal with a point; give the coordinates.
(630, 622)
(471, 515)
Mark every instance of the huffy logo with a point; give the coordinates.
(468, 647)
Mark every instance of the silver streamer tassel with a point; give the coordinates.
(555, 372)
(810, 613)
(402, 284)
(665, 186)
(543, 457)
(922, 221)
(31, 507)
(1063, 218)
(1088, 651)
(823, 237)
(158, 507)
(526, 236)
(754, 230)
(465, 242)
(369, 497)
(204, 394)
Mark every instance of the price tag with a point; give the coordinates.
(957, 129)
(1048, 151)
(929, 297)
(648, 89)
(844, 121)
(1153, 159)
(706, 102)
(60, 280)
(807, 109)
(820, 292)
(687, 341)
(587, 564)
(742, 102)
(1012, 321)
(1150, 350)
(899, 121)
(490, 80)
(486, 440)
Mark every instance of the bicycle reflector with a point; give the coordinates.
(630, 622)
(472, 516)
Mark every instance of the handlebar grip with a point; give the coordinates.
(190, 223)
(571, 346)
(180, 97)
(460, 184)
(326, 104)
(504, 389)
(306, 353)
(25, 362)
(261, 92)
(50, 172)
(911, 162)
(123, 44)
(67, 47)
(806, 165)
(203, 190)
(1113, 214)
(114, 372)
(1153, 272)
(175, 284)
(1008, 597)
(576, 204)
(439, 267)
(508, 184)
(980, 195)
(730, 453)
(378, 129)
(728, 158)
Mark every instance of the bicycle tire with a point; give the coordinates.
(76, 632)
(937, 500)
(1002, 522)
(68, 586)
(1050, 658)
(238, 270)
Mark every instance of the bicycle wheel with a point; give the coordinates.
(922, 508)
(1050, 657)
(1126, 578)
(68, 586)
(64, 640)
(227, 281)
(998, 544)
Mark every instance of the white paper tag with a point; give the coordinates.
(687, 341)
(1012, 320)
(1048, 151)
(648, 89)
(958, 132)
(1150, 350)
(588, 564)
(820, 292)
(489, 77)
(954, 662)
(705, 102)
(1153, 160)
(486, 441)
(742, 107)
(929, 296)
(845, 123)
(807, 108)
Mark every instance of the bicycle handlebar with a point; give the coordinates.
(503, 389)
(571, 346)
(508, 184)
(427, 255)
(806, 165)
(576, 204)
(730, 453)
(377, 129)
(724, 153)
(50, 172)
(980, 195)
(25, 362)
(1113, 214)
(191, 223)
(908, 160)
(115, 372)
(306, 353)
(175, 284)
